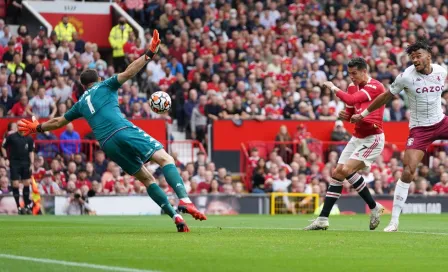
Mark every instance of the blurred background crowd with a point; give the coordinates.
(227, 60)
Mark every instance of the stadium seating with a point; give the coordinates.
(246, 59)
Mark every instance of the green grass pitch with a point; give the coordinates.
(226, 243)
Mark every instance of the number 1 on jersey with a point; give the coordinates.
(89, 103)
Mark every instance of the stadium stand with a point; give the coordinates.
(221, 60)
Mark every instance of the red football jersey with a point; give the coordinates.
(440, 188)
(38, 174)
(359, 98)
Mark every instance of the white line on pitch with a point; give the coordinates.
(298, 229)
(73, 264)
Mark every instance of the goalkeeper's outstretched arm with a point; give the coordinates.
(27, 127)
(54, 123)
(132, 69)
(139, 63)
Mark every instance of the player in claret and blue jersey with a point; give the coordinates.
(423, 83)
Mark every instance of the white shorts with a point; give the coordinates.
(365, 149)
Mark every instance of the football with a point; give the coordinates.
(160, 102)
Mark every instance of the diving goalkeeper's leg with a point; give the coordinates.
(174, 179)
(159, 197)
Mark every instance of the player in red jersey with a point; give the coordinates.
(363, 148)
(423, 83)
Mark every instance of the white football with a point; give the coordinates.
(160, 102)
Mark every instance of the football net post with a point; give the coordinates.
(294, 203)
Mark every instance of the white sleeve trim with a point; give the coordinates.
(368, 95)
(347, 106)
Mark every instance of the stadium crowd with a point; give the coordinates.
(307, 172)
(222, 60)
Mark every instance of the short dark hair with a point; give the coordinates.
(419, 44)
(359, 63)
(89, 76)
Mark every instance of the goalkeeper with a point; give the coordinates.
(123, 142)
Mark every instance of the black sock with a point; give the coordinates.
(333, 194)
(357, 181)
(26, 196)
(16, 194)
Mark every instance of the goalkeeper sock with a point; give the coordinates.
(357, 181)
(175, 181)
(26, 196)
(16, 194)
(333, 193)
(400, 196)
(160, 198)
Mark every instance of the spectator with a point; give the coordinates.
(4, 185)
(222, 174)
(79, 159)
(200, 177)
(325, 113)
(61, 92)
(71, 52)
(155, 69)
(87, 56)
(290, 109)
(199, 120)
(213, 109)
(135, 10)
(47, 149)
(177, 50)
(47, 186)
(82, 179)
(70, 141)
(6, 38)
(215, 188)
(42, 106)
(442, 186)
(100, 164)
(118, 36)
(205, 185)
(259, 177)
(64, 30)
(16, 64)
(61, 63)
(188, 109)
(136, 110)
(19, 108)
(91, 174)
(100, 64)
(254, 157)
(175, 66)
(302, 136)
(435, 19)
(195, 12)
(135, 96)
(9, 52)
(125, 106)
(62, 109)
(79, 43)
(339, 134)
(305, 112)
(72, 169)
(397, 113)
(283, 140)
(422, 187)
(6, 101)
(3, 83)
(274, 110)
